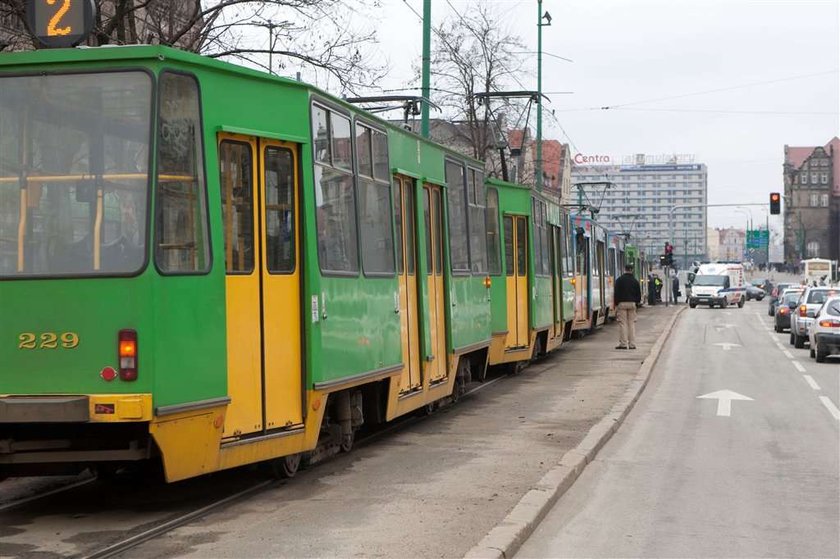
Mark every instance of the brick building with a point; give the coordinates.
(812, 202)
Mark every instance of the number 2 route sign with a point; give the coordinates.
(60, 23)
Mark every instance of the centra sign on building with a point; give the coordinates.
(582, 159)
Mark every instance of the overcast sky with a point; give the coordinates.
(775, 60)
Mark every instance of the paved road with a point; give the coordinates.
(682, 478)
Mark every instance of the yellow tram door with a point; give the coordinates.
(238, 177)
(279, 216)
(406, 272)
(436, 361)
(259, 215)
(516, 271)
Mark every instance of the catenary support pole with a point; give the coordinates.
(539, 167)
(427, 67)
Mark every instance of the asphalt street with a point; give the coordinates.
(732, 451)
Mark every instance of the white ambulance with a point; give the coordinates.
(719, 284)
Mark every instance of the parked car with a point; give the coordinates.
(787, 305)
(775, 294)
(809, 302)
(825, 331)
(754, 292)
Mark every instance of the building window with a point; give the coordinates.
(803, 178)
(814, 178)
(824, 178)
(815, 200)
(823, 200)
(813, 249)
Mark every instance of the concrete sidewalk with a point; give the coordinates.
(447, 485)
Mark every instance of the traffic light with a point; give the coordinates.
(775, 203)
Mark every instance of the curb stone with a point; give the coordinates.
(505, 539)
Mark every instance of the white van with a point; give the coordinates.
(719, 284)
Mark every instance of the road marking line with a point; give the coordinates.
(811, 382)
(801, 369)
(788, 354)
(829, 405)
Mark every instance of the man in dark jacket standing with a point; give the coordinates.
(628, 293)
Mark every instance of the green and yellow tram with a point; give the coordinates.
(532, 296)
(210, 266)
(213, 266)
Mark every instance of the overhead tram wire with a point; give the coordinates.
(556, 121)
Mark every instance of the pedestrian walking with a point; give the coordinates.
(657, 283)
(628, 294)
(651, 285)
(675, 288)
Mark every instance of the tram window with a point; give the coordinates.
(535, 220)
(427, 223)
(459, 255)
(336, 217)
(521, 244)
(398, 222)
(363, 157)
(379, 144)
(611, 256)
(559, 249)
(436, 215)
(182, 241)
(509, 245)
(494, 264)
(599, 258)
(409, 228)
(320, 133)
(477, 222)
(236, 174)
(546, 264)
(375, 227)
(567, 251)
(64, 140)
(340, 141)
(280, 208)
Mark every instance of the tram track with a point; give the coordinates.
(145, 529)
(135, 540)
(16, 503)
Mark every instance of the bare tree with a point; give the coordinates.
(474, 53)
(315, 33)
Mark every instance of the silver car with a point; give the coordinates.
(824, 334)
(803, 315)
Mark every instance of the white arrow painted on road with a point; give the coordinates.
(724, 398)
(727, 346)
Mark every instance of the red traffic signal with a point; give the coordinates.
(775, 203)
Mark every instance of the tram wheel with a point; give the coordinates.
(285, 467)
(347, 442)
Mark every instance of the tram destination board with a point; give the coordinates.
(60, 23)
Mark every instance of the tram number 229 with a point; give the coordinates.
(48, 340)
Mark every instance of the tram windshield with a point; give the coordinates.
(74, 162)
